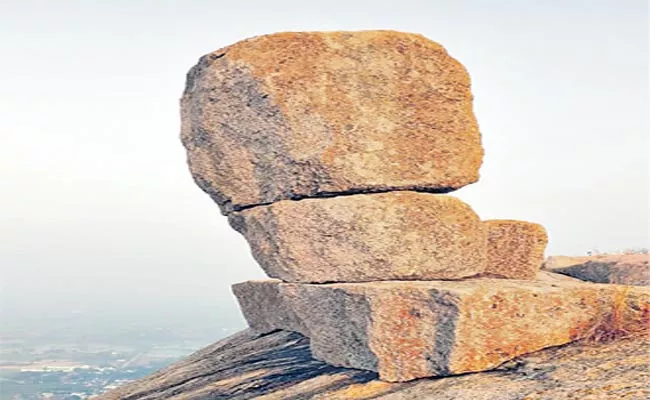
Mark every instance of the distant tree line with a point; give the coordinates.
(637, 250)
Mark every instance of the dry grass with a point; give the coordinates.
(613, 325)
(607, 331)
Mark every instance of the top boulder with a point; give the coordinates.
(296, 115)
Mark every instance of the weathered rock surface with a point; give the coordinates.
(365, 237)
(547, 276)
(625, 269)
(294, 115)
(409, 330)
(279, 366)
(515, 249)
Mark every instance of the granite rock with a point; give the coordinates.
(279, 366)
(624, 269)
(515, 249)
(365, 237)
(409, 330)
(309, 114)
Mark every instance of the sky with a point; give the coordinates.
(99, 214)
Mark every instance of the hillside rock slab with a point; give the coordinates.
(409, 330)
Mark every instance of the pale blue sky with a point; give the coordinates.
(97, 203)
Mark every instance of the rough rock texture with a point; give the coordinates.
(625, 269)
(279, 366)
(515, 249)
(408, 330)
(365, 237)
(294, 115)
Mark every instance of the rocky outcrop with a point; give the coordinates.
(409, 330)
(547, 276)
(625, 269)
(553, 262)
(515, 249)
(279, 366)
(320, 146)
(311, 114)
(371, 237)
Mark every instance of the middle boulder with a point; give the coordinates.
(366, 237)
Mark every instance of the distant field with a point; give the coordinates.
(45, 365)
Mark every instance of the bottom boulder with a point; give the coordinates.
(409, 330)
(279, 366)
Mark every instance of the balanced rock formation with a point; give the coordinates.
(328, 152)
(366, 237)
(624, 269)
(515, 249)
(279, 366)
(295, 115)
(409, 330)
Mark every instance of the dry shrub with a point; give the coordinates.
(614, 325)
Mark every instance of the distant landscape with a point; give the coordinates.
(81, 354)
(84, 355)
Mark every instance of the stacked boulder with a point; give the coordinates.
(332, 153)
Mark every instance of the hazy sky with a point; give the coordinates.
(98, 209)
